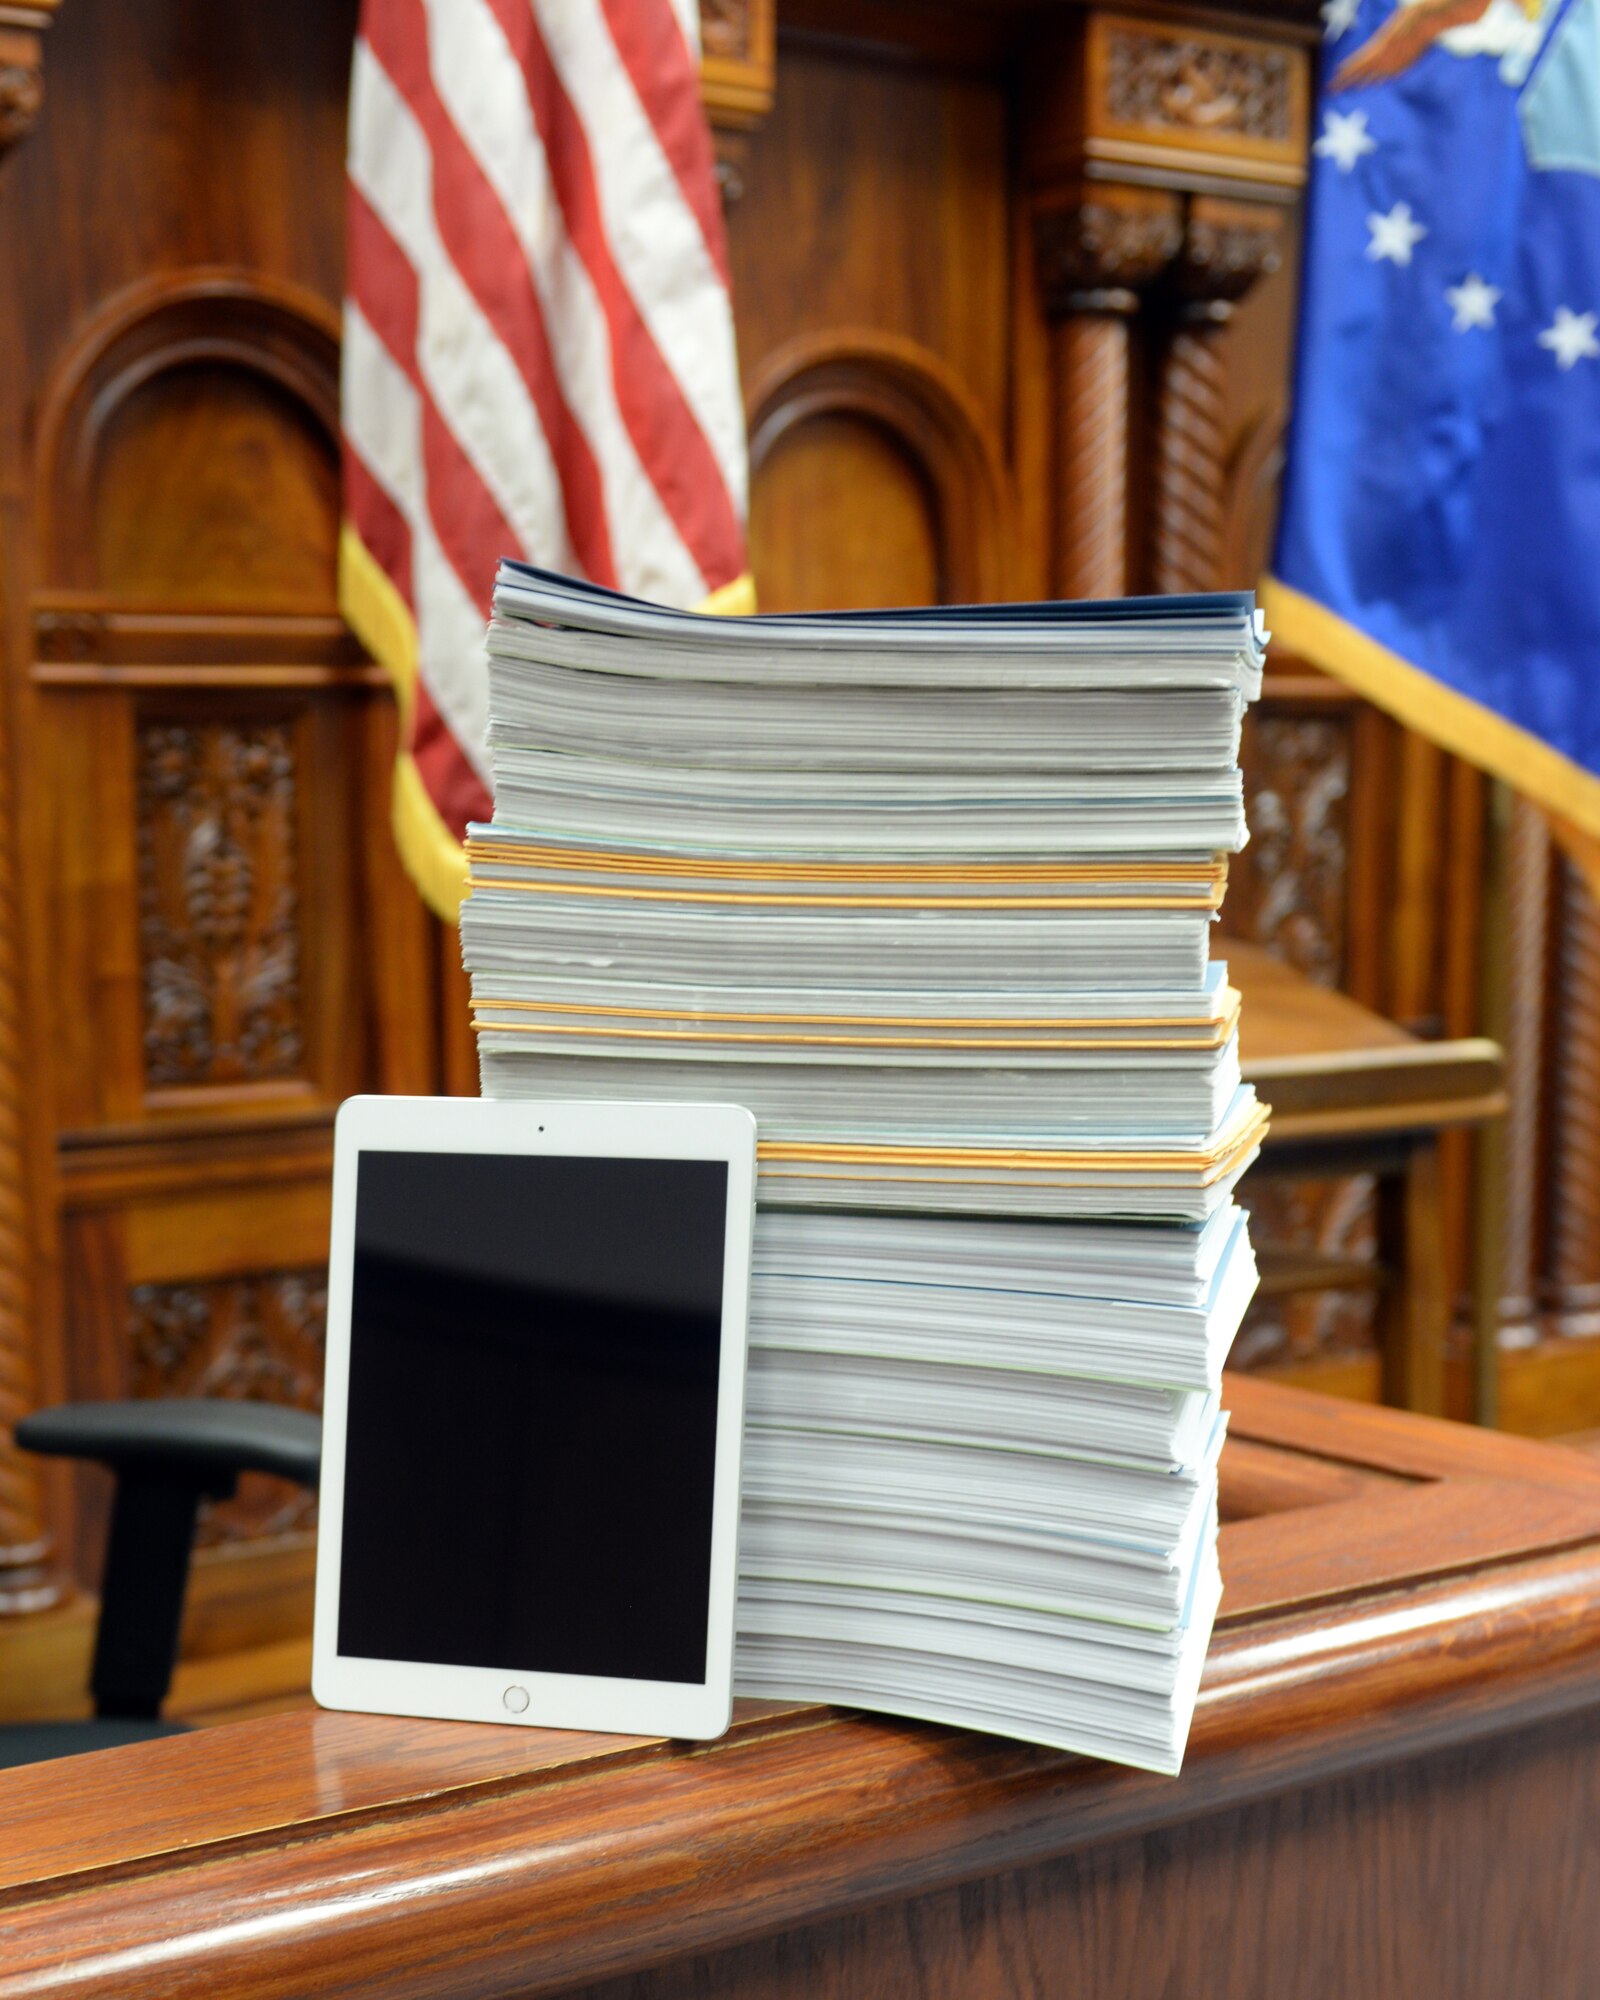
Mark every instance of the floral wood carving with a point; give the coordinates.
(725, 29)
(738, 76)
(21, 100)
(259, 1339)
(1178, 82)
(1223, 259)
(1100, 254)
(1335, 1218)
(1292, 894)
(68, 635)
(218, 903)
(22, 68)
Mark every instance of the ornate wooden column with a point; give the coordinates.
(1574, 1229)
(1097, 252)
(26, 1583)
(1526, 948)
(1227, 246)
(1160, 159)
(738, 68)
(21, 67)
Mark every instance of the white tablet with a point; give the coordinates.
(533, 1412)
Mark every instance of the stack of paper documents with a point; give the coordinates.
(980, 1469)
(930, 892)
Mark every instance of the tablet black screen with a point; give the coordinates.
(530, 1450)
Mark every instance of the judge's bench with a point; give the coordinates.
(1392, 1787)
(1014, 285)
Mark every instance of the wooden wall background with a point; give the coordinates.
(1015, 290)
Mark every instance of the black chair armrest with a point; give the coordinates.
(210, 1440)
(168, 1455)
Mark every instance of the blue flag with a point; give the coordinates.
(1439, 545)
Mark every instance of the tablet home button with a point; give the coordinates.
(516, 1699)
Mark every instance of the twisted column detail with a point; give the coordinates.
(1187, 529)
(1227, 246)
(1575, 1111)
(1096, 255)
(1527, 934)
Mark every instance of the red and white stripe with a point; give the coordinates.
(539, 356)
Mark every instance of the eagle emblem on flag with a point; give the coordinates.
(1560, 119)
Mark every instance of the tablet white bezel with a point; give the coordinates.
(602, 1130)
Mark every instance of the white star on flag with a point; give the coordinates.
(1395, 235)
(1344, 138)
(1472, 302)
(1338, 17)
(1570, 337)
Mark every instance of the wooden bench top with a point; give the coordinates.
(1393, 1585)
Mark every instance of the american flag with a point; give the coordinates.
(538, 351)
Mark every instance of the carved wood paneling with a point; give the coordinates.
(171, 268)
(737, 71)
(725, 29)
(1289, 889)
(1197, 83)
(22, 29)
(1574, 1226)
(1100, 250)
(1329, 1219)
(24, 1546)
(258, 1338)
(68, 636)
(889, 201)
(21, 88)
(1190, 102)
(219, 902)
(1528, 872)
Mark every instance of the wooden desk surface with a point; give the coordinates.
(1330, 1067)
(1397, 1589)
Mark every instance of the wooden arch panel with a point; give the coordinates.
(188, 450)
(875, 479)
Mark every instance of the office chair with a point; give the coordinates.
(167, 1455)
